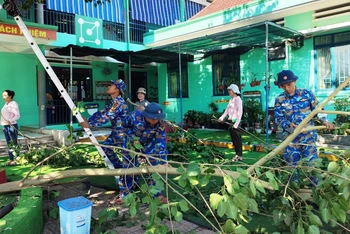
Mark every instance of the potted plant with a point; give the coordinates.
(258, 128)
(191, 117)
(253, 76)
(242, 83)
(252, 114)
(213, 107)
(268, 81)
(255, 83)
(221, 87)
(202, 119)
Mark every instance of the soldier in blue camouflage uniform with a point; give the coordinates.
(291, 107)
(146, 128)
(115, 112)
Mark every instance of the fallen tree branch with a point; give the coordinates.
(43, 179)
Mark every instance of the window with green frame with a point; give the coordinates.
(225, 72)
(332, 60)
(174, 85)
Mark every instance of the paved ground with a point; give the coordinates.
(102, 199)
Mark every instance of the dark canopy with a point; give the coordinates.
(136, 58)
(239, 39)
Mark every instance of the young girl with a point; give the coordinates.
(9, 116)
(234, 111)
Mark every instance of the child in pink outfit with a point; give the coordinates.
(234, 111)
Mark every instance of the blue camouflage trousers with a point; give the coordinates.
(127, 183)
(294, 153)
(124, 182)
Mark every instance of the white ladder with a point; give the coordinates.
(13, 11)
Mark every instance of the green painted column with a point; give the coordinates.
(41, 75)
(182, 10)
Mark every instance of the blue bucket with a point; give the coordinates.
(75, 215)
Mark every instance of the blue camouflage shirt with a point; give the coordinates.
(115, 111)
(294, 108)
(151, 137)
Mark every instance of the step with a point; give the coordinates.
(27, 138)
(3, 149)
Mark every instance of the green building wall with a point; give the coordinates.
(21, 68)
(300, 61)
(18, 73)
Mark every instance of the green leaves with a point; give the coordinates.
(252, 188)
(232, 210)
(300, 229)
(222, 207)
(193, 170)
(241, 201)
(272, 180)
(176, 214)
(133, 209)
(259, 186)
(183, 205)
(214, 200)
(70, 130)
(231, 227)
(277, 215)
(314, 219)
(54, 212)
(313, 229)
(325, 214)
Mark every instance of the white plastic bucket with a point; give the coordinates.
(75, 215)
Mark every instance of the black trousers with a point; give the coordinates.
(236, 140)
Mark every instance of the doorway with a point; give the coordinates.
(57, 111)
(138, 79)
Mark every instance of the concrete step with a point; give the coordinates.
(27, 139)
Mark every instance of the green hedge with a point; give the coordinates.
(27, 216)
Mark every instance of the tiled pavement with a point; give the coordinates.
(102, 199)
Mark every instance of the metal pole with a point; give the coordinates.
(127, 24)
(129, 76)
(41, 75)
(267, 80)
(71, 82)
(180, 76)
(40, 13)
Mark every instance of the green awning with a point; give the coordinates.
(249, 36)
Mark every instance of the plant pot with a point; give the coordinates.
(258, 130)
(241, 86)
(255, 83)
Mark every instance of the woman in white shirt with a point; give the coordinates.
(234, 112)
(9, 116)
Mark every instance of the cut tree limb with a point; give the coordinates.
(43, 179)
